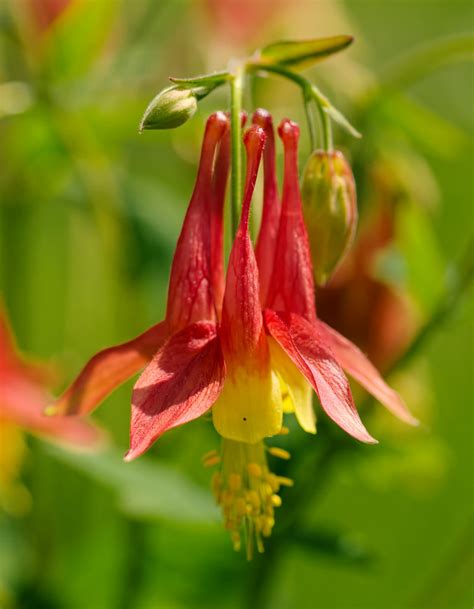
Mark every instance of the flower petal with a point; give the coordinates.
(22, 402)
(190, 294)
(107, 370)
(292, 285)
(180, 384)
(305, 346)
(249, 407)
(358, 366)
(268, 233)
(298, 392)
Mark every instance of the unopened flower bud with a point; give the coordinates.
(330, 210)
(171, 108)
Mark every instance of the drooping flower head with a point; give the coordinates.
(247, 345)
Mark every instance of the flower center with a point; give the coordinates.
(247, 491)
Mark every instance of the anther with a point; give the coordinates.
(235, 482)
(254, 470)
(214, 460)
(285, 481)
(209, 454)
(280, 453)
(276, 500)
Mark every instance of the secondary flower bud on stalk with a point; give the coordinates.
(330, 210)
(169, 109)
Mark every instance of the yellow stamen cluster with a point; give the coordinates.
(247, 491)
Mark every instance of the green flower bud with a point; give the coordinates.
(330, 210)
(171, 108)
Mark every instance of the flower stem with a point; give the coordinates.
(236, 91)
(310, 93)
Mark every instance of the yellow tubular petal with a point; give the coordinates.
(298, 391)
(249, 407)
(288, 405)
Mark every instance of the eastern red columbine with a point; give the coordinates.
(249, 347)
(23, 395)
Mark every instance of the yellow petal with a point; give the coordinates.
(249, 407)
(297, 389)
(288, 405)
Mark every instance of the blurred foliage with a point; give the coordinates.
(89, 215)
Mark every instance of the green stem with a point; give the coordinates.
(322, 103)
(236, 92)
(309, 120)
(310, 92)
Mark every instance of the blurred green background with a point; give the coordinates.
(90, 212)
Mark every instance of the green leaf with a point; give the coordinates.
(333, 112)
(144, 489)
(297, 54)
(202, 85)
(342, 121)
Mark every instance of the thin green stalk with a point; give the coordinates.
(312, 130)
(309, 92)
(236, 92)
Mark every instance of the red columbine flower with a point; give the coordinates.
(217, 348)
(23, 395)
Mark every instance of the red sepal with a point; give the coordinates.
(180, 384)
(305, 346)
(22, 403)
(107, 370)
(356, 364)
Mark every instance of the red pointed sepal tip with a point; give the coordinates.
(105, 371)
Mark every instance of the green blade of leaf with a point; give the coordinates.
(333, 112)
(297, 54)
(206, 80)
(341, 120)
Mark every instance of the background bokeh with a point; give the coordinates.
(90, 211)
